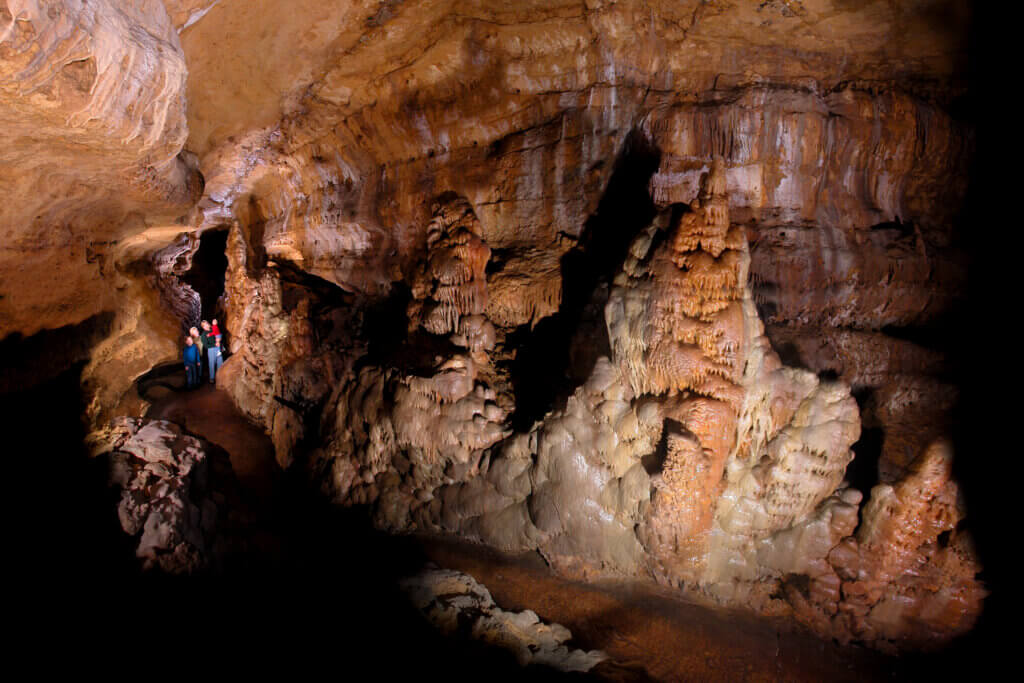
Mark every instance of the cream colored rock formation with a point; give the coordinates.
(456, 604)
(450, 293)
(752, 448)
(749, 494)
(406, 188)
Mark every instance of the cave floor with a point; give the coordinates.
(209, 413)
(645, 627)
(649, 632)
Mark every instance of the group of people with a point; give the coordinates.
(199, 347)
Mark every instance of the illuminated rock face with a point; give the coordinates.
(692, 455)
(93, 125)
(677, 329)
(456, 604)
(753, 449)
(406, 188)
(166, 499)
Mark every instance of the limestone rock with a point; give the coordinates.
(452, 287)
(406, 186)
(693, 455)
(93, 114)
(166, 501)
(457, 605)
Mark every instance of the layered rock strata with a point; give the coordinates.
(93, 114)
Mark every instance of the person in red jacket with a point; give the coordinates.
(214, 329)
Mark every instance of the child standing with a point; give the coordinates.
(190, 356)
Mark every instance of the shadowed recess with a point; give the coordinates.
(206, 276)
(547, 366)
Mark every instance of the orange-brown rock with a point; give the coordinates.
(914, 564)
(407, 187)
(93, 127)
(677, 327)
(450, 293)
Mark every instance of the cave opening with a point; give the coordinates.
(862, 472)
(385, 324)
(209, 266)
(550, 360)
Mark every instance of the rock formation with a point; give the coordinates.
(692, 455)
(94, 127)
(718, 237)
(166, 499)
(458, 605)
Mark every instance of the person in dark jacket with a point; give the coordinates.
(216, 359)
(198, 341)
(206, 336)
(190, 356)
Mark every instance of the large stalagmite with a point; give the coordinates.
(624, 283)
(745, 495)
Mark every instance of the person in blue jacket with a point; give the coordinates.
(190, 356)
(216, 359)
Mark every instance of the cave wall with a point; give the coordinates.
(94, 124)
(408, 190)
(748, 504)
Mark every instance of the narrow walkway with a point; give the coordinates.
(209, 413)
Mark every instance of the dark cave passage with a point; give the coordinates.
(28, 361)
(65, 529)
(862, 472)
(206, 276)
(548, 364)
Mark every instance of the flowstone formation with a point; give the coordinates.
(397, 434)
(623, 283)
(677, 328)
(691, 455)
(450, 293)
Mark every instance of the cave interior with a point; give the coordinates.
(613, 341)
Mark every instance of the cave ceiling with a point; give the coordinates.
(650, 288)
(341, 112)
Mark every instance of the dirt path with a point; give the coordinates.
(209, 413)
(646, 627)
